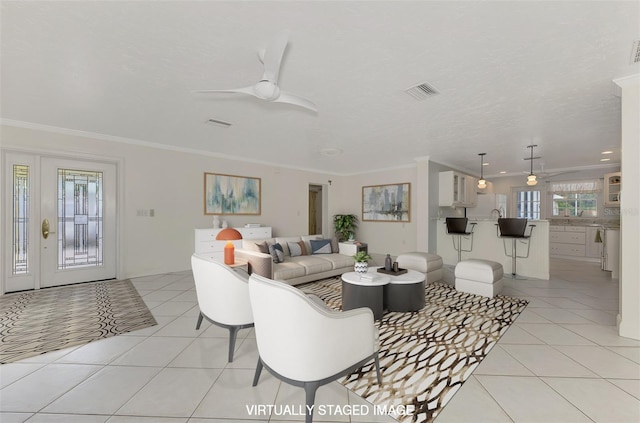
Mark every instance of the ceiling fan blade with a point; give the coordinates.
(296, 101)
(243, 90)
(273, 56)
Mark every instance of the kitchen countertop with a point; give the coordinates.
(603, 223)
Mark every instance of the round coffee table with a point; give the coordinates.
(358, 292)
(405, 292)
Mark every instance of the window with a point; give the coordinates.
(528, 204)
(575, 198)
(575, 205)
(20, 265)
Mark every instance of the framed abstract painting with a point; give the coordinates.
(386, 203)
(231, 194)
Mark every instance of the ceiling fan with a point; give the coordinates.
(267, 88)
(544, 175)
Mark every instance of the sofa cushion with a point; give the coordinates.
(288, 270)
(286, 239)
(252, 244)
(312, 264)
(307, 240)
(320, 246)
(297, 248)
(338, 261)
(335, 248)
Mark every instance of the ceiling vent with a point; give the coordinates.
(422, 91)
(635, 52)
(219, 123)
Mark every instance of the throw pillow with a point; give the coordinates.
(276, 253)
(335, 248)
(297, 248)
(261, 248)
(320, 246)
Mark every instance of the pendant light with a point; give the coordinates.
(482, 184)
(531, 179)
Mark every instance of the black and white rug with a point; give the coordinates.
(426, 356)
(40, 321)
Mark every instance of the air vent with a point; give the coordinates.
(422, 91)
(635, 52)
(219, 123)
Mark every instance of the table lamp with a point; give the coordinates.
(228, 235)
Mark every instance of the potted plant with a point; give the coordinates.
(345, 225)
(362, 261)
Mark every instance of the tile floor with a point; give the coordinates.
(562, 361)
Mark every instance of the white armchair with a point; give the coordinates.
(223, 297)
(303, 342)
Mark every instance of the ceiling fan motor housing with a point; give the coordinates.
(267, 90)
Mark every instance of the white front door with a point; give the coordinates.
(61, 215)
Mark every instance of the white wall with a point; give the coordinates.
(382, 237)
(629, 316)
(172, 183)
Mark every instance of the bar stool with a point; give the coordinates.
(514, 229)
(457, 226)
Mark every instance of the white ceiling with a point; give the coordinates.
(509, 74)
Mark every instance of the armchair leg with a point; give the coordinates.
(233, 334)
(256, 377)
(310, 389)
(200, 317)
(377, 361)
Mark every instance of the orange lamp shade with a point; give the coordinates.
(229, 234)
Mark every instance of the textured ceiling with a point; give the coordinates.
(509, 74)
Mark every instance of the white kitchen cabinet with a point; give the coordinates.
(567, 241)
(612, 185)
(574, 241)
(471, 198)
(456, 189)
(559, 249)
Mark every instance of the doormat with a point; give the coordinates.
(40, 321)
(426, 356)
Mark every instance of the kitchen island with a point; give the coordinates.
(488, 246)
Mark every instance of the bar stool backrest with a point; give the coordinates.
(456, 225)
(512, 227)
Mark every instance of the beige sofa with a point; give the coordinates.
(298, 269)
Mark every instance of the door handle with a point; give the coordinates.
(45, 228)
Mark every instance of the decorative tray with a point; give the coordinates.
(391, 272)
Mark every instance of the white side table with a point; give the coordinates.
(349, 248)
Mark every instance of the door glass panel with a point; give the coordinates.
(528, 204)
(79, 219)
(20, 265)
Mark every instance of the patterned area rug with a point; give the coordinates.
(40, 321)
(426, 356)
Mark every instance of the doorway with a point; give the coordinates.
(61, 221)
(315, 209)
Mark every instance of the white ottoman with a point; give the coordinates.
(428, 264)
(480, 277)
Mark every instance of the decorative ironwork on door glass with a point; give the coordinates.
(80, 219)
(21, 204)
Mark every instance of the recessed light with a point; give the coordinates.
(604, 160)
(485, 164)
(607, 152)
(330, 151)
(503, 171)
